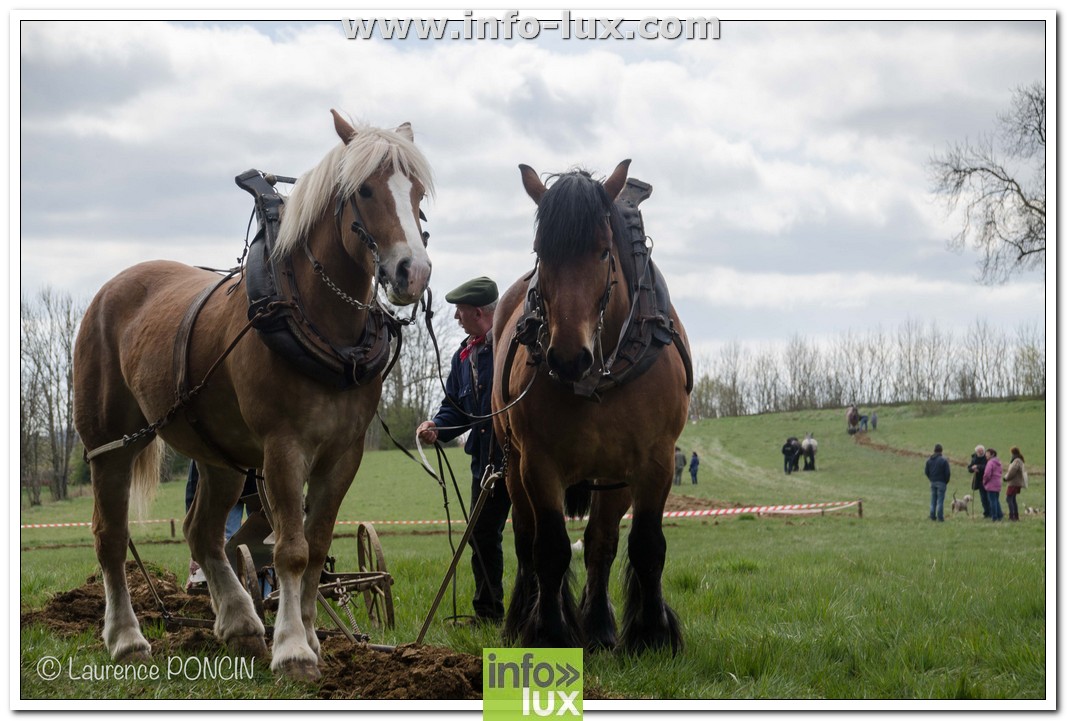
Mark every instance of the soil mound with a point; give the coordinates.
(349, 670)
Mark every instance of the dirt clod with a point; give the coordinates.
(349, 670)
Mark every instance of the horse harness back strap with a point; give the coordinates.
(289, 332)
(648, 327)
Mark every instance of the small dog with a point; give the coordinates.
(962, 505)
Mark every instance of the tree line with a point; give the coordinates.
(50, 453)
(915, 363)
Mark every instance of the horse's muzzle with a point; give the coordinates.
(408, 281)
(570, 370)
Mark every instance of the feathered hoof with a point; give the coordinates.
(254, 646)
(297, 669)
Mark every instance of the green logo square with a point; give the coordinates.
(527, 683)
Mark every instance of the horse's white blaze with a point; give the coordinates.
(400, 186)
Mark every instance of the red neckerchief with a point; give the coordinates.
(472, 343)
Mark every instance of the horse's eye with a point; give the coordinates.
(425, 238)
(605, 255)
(365, 192)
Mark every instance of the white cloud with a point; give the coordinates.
(787, 158)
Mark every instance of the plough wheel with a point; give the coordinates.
(249, 579)
(379, 596)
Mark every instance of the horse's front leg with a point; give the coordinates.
(285, 467)
(601, 546)
(324, 497)
(236, 623)
(554, 621)
(648, 622)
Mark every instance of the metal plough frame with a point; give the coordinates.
(250, 551)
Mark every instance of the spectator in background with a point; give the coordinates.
(694, 464)
(977, 467)
(1015, 480)
(679, 465)
(938, 472)
(992, 482)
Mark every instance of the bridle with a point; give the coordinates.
(359, 228)
(532, 327)
(536, 315)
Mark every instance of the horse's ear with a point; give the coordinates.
(406, 132)
(615, 183)
(344, 130)
(534, 187)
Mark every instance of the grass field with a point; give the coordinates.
(887, 606)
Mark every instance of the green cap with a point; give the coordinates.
(477, 292)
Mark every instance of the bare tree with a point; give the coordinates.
(702, 399)
(730, 387)
(1029, 374)
(48, 326)
(766, 385)
(1003, 209)
(30, 401)
(802, 366)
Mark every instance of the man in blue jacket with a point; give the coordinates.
(938, 471)
(467, 406)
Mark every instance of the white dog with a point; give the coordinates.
(962, 505)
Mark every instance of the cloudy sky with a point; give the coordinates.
(788, 158)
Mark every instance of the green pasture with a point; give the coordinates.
(834, 606)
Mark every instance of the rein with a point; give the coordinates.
(184, 399)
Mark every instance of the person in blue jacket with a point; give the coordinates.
(467, 406)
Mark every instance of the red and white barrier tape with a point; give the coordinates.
(797, 508)
(86, 523)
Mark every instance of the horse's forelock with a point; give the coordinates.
(569, 215)
(343, 170)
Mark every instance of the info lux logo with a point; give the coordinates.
(524, 683)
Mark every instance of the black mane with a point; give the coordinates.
(569, 215)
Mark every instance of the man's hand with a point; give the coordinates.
(427, 432)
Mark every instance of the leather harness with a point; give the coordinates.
(289, 332)
(276, 312)
(648, 327)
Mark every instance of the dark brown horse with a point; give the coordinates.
(257, 410)
(557, 438)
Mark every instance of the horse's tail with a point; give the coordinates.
(578, 499)
(147, 469)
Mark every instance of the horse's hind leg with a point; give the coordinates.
(111, 477)
(236, 623)
(601, 546)
(648, 622)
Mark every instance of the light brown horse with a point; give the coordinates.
(257, 410)
(556, 438)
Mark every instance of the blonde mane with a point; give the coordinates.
(342, 171)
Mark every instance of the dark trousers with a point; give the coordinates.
(1013, 506)
(984, 495)
(487, 550)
